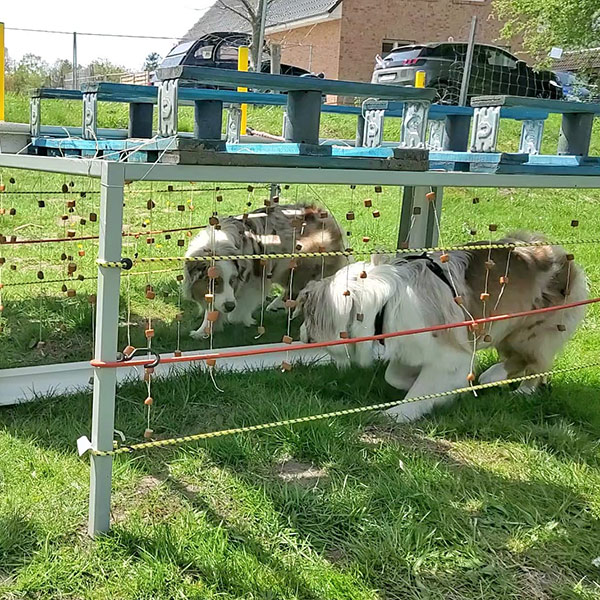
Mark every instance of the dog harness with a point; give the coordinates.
(434, 267)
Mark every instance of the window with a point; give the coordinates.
(388, 46)
(204, 52)
(227, 53)
(496, 58)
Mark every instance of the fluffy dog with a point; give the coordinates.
(239, 288)
(420, 291)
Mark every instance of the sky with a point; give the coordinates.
(149, 17)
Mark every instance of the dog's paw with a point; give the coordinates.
(199, 334)
(249, 322)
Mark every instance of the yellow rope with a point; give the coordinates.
(289, 255)
(338, 413)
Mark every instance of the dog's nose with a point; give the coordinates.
(228, 306)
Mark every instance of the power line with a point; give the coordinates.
(112, 35)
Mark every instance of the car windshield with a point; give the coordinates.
(180, 49)
(403, 53)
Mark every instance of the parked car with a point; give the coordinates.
(574, 89)
(493, 71)
(220, 50)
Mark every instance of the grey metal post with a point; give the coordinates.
(75, 65)
(275, 59)
(303, 117)
(575, 134)
(360, 131)
(418, 228)
(464, 88)
(107, 324)
(261, 34)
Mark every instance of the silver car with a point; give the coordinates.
(493, 71)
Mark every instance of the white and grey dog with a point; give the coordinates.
(237, 287)
(422, 291)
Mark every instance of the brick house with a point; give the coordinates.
(342, 37)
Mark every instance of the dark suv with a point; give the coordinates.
(219, 50)
(493, 71)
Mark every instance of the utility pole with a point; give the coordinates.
(75, 67)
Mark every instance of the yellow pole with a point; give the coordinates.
(1, 71)
(420, 79)
(243, 66)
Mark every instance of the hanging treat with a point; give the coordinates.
(378, 189)
(275, 199)
(65, 188)
(150, 204)
(40, 274)
(323, 214)
(179, 277)
(71, 204)
(219, 198)
(366, 239)
(213, 272)
(41, 203)
(475, 200)
(503, 279)
(179, 316)
(181, 243)
(298, 247)
(13, 267)
(493, 227)
(473, 231)
(212, 221)
(261, 330)
(287, 339)
(12, 180)
(285, 366)
(346, 292)
(350, 216)
(368, 203)
(209, 298)
(267, 202)
(92, 299)
(82, 221)
(363, 275)
(167, 236)
(293, 263)
(360, 317)
(444, 258)
(561, 327)
(148, 433)
(458, 300)
(212, 316)
(149, 333)
(71, 268)
(71, 293)
(148, 371)
(177, 353)
(487, 338)
(344, 335)
(148, 401)
(574, 223)
(570, 257)
(2, 211)
(150, 294)
(289, 303)
(484, 296)
(376, 214)
(63, 288)
(71, 233)
(81, 253)
(2, 187)
(416, 210)
(93, 217)
(471, 377)
(12, 212)
(211, 362)
(170, 188)
(128, 351)
(430, 196)
(489, 264)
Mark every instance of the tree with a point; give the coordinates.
(28, 73)
(544, 24)
(249, 11)
(152, 61)
(103, 69)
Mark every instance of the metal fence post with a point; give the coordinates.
(464, 88)
(107, 323)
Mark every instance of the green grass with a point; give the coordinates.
(495, 497)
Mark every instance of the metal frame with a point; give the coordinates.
(113, 176)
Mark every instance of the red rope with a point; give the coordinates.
(382, 336)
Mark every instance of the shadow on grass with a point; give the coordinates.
(398, 506)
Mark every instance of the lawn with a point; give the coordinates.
(495, 497)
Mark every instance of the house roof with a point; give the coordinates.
(280, 12)
(580, 60)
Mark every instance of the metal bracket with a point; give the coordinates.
(167, 107)
(35, 116)
(90, 116)
(531, 137)
(484, 135)
(414, 124)
(437, 135)
(234, 124)
(373, 132)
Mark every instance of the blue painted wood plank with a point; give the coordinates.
(551, 106)
(212, 76)
(56, 93)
